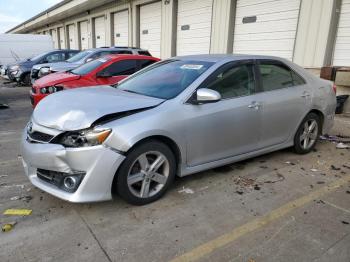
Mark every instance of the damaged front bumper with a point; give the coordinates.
(96, 165)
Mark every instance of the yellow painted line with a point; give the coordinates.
(209, 247)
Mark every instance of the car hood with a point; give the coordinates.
(55, 78)
(78, 108)
(58, 66)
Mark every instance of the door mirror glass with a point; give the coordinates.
(205, 95)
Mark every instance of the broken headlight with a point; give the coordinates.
(83, 138)
(51, 89)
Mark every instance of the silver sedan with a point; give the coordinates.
(176, 117)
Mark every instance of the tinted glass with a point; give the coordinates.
(71, 54)
(297, 79)
(55, 57)
(145, 63)
(88, 67)
(144, 53)
(234, 81)
(79, 56)
(166, 79)
(125, 67)
(121, 52)
(275, 76)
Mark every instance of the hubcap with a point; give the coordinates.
(309, 135)
(148, 174)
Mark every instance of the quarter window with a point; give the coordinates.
(234, 81)
(125, 67)
(276, 76)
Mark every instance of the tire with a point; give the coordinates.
(136, 174)
(26, 80)
(305, 141)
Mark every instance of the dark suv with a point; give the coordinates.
(82, 58)
(20, 71)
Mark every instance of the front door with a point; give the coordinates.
(230, 126)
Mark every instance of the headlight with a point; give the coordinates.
(44, 71)
(15, 67)
(51, 89)
(88, 137)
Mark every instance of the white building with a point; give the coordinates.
(312, 33)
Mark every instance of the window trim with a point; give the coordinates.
(274, 62)
(119, 61)
(223, 67)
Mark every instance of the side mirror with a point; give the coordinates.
(206, 95)
(103, 74)
(89, 60)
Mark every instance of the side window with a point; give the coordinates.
(145, 63)
(275, 76)
(144, 53)
(98, 54)
(125, 67)
(234, 81)
(55, 57)
(297, 80)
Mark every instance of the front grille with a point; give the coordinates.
(52, 177)
(40, 137)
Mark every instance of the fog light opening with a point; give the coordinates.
(70, 182)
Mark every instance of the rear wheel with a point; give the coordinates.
(307, 134)
(146, 173)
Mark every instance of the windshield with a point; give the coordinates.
(79, 56)
(88, 67)
(36, 57)
(166, 79)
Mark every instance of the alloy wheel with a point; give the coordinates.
(148, 174)
(309, 134)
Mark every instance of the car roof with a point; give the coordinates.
(130, 56)
(227, 57)
(116, 48)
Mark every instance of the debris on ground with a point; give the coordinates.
(18, 212)
(186, 190)
(3, 176)
(24, 198)
(314, 170)
(290, 163)
(345, 222)
(280, 178)
(342, 146)
(8, 226)
(333, 167)
(4, 106)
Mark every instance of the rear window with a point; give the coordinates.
(89, 67)
(144, 53)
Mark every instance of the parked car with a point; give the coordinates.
(107, 70)
(177, 117)
(17, 47)
(21, 70)
(82, 58)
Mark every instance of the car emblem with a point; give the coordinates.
(30, 128)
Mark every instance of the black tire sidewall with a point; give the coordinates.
(297, 147)
(122, 173)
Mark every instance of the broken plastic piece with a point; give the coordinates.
(4, 106)
(8, 226)
(18, 212)
(342, 146)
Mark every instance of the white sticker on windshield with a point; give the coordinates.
(193, 67)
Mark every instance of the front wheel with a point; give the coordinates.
(146, 173)
(307, 134)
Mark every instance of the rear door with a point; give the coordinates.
(230, 126)
(118, 71)
(285, 100)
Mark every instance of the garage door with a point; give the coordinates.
(193, 26)
(121, 28)
(84, 35)
(342, 44)
(150, 27)
(62, 38)
(100, 32)
(54, 38)
(266, 27)
(71, 36)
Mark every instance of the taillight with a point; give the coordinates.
(334, 88)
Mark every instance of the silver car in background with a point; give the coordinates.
(177, 117)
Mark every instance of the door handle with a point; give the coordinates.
(254, 105)
(305, 94)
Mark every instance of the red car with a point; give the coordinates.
(107, 70)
